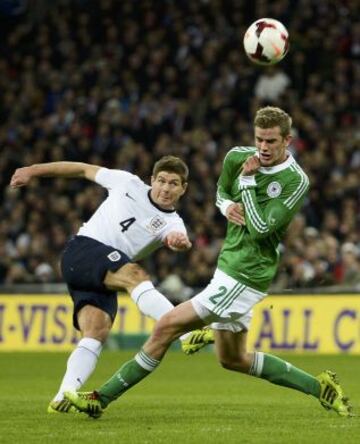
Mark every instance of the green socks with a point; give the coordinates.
(280, 372)
(128, 375)
(265, 366)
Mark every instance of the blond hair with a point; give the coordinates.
(271, 116)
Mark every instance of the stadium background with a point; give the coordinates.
(121, 83)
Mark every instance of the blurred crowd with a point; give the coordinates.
(121, 83)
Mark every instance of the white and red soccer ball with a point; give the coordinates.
(266, 41)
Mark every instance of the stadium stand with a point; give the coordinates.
(121, 83)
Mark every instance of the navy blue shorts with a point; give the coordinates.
(84, 264)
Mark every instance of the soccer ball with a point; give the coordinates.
(266, 41)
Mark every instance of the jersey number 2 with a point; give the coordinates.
(127, 223)
(215, 298)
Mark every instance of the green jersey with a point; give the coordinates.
(270, 198)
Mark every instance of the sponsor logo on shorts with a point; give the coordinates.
(114, 256)
(274, 189)
(156, 224)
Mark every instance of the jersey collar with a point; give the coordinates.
(157, 206)
(282, 166)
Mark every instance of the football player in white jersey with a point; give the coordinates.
(133, 221)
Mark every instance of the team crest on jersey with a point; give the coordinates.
(114, 256)
(156, 224)
(274, 189)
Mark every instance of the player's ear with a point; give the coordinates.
(287, 140)
(184, 188)
(152, 179)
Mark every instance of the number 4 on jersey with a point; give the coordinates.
(126, 223)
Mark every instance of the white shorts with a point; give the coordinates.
(226, 303)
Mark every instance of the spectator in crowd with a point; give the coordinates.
(121, 84)
(272, 85)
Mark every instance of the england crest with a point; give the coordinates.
(156, 224)
(114, 256)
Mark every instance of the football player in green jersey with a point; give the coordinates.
(260, 190)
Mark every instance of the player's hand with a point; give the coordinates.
(21, 177)
(235, 213)
(177, 241)
(251, 166)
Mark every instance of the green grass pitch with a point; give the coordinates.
(187, 400)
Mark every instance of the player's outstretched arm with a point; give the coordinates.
(22, 176)
(177, 241)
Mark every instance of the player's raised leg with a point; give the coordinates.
(232, 354)
(152, 303)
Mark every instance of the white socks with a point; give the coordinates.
(80, 365)
(150, 301)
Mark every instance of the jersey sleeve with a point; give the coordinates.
(229, 173)
(112, 179)
(176, 225)
(278, 212)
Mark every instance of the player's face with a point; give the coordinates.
(166, 189)
(271, 145)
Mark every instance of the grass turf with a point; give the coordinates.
(187, 400)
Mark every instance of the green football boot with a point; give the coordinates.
(332, 395)
(86, 402)
(63, 406)
(197, 340)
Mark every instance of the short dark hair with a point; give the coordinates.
(172, 164)
(271, 116)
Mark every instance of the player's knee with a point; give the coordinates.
(136, 275)
(128, 277)
(165, 331)
(136, 272)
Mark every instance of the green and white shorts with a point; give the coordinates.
(226, 303)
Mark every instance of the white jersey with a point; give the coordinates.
(128, 219)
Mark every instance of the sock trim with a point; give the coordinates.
(88, 349)
(92, 345)
(142, 294)
(146, 362)
(140, 289)
(257, 364)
